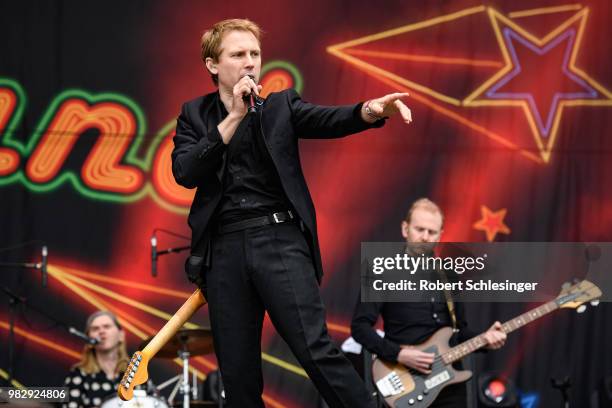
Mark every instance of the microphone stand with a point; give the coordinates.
(182, 381)
(166, 252)
(14, 301)
(173, 250)
(158, 253)
(42, 266)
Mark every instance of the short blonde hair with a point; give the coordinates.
(427, 205)
(212, 38)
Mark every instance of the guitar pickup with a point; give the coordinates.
(437, 379)
(389, 385)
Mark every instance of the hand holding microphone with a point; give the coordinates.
(251, 97)
(244, 97)
(247, 90)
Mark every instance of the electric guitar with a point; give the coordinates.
(136, 372)
(403, 387)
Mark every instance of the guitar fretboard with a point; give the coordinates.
(475, 343)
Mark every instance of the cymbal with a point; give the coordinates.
(195, 341)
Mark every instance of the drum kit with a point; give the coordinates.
(184, 344)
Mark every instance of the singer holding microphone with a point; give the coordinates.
(254, 239)
(102, 364)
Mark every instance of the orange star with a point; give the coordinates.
(492, 222)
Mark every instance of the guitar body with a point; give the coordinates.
(403, 387)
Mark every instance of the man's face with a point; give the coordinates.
(240, 55)
(104, 329)
(424, 227)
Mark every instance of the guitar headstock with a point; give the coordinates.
(135, 374)
(575, 295)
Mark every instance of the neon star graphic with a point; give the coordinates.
(574, 88)
(492, 222)
(566, 40)
(504, 66)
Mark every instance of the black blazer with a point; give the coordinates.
(198, 158)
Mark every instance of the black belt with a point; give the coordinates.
(275, 218)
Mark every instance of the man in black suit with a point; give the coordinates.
(254, 238)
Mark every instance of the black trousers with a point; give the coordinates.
(453, 396)
(270, 268)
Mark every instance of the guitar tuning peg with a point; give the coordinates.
(566, 285)
(594, 302)
(581, 309)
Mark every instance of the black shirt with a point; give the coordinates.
(251, 184)
(406, 323)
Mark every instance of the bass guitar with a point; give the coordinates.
(403, 387)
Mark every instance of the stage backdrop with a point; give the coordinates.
(512, 108)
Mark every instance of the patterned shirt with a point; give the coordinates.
(89, 390)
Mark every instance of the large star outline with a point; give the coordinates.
(545, 125)
(569, 38)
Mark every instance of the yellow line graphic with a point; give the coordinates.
(426, 58)
(544, 10)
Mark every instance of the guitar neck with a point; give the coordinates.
(476, 343)
(195, 301)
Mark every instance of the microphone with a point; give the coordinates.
(83, 336)
(43, 266)
(250, 99)
(153, 255)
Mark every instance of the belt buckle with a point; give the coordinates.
(278, 220)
